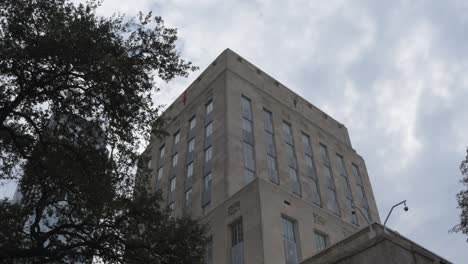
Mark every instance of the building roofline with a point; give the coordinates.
(376, 235)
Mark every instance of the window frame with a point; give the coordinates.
(320, 234)
(175, 160)
(191, 145)
(177, 137)
(209, 107)
(209, 129)
(208, 154)
(192, 122)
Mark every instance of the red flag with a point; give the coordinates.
(184, 98)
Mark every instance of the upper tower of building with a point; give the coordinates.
(262, 164)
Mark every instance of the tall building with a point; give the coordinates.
(274, 176)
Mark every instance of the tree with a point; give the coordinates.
(462, 199)
(75, 105)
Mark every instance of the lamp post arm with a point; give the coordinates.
(389, 213)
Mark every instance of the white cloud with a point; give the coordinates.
(394, 72)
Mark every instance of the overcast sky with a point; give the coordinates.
(394, 72)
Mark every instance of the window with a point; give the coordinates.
(341, 166)
(362, 196)
(173, 184)
(320, 241)
(268, 121)
(328, 176)
(349, 196)
(162, 151)
(272, 171)
(353, 217)
(247, 125)
(209, 130)
(191, 145)
(175, 160)
(270, 147)
(237, 238)
(246, 108)
(357, 174)
(324, 154)
(344, 176)
(295, 184)
(249, 162)
(237, 235)
(311, 171)
(176, 137)
(288, 229)
(294, 181)
(361, 190)
(306, 141)
(315, 192)
(368, 215)
(160, 173)
(270, 144)
(207, 182)
(192, 123)
(209, 107)
(309, 163)
(208, 154)
(248, 149)
(289, 240)
(190, 170)
(208, 256)
(332, 201)
(188, 197)
(287, 132)
(171, 207)
(291, 158)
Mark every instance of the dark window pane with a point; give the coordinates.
(208, 256)
(332, 203)
(320, 241)
(341, 166)
(324, 154)
(287, 133)
(328, 176)
(268, 122)
(237, 234)
(357, 174)
(315, 193)
(295, 186)
(249, 162)
(248, 176)
(272, 171)
(246, 108)
(291, 157)
(271, 150)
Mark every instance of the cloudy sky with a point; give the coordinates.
(394, 72)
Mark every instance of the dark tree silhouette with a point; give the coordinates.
(462, 198)
(75, 104)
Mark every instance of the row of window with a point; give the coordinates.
(208, 155)
(290, 242)
(310, 170)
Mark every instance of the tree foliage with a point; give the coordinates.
(75, 104)
(462, 199)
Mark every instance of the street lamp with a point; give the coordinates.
(389, 213)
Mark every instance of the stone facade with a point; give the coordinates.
(249, 208)
(376, 246)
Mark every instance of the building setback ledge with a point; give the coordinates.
(376, 246)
